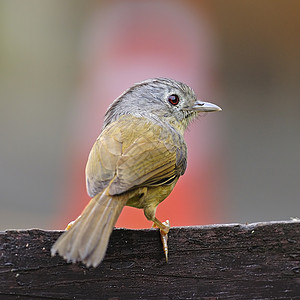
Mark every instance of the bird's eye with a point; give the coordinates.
(173, 99)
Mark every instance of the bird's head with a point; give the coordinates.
(162, 99)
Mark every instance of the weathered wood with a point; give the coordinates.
(256, 261)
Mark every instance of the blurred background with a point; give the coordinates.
(63, 62)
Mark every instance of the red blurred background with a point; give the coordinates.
(127, 42)
(63, 62)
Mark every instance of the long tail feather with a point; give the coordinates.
(88, 237)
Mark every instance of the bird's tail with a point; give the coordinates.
(88, 237)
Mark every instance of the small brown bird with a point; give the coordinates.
(136, 161)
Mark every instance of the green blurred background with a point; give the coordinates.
(257, 66)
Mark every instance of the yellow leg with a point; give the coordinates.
(164, 230)
(71, 224)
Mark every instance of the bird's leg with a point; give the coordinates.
(164, 227)
(164, 230)
(71, 224)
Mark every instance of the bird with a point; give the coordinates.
(136, 161)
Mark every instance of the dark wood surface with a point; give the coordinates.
(256, 261)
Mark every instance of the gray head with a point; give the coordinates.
(161, 99)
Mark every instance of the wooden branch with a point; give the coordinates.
(256, 261)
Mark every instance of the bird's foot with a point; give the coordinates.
(164, 238)
(164, 230)
(71, 224)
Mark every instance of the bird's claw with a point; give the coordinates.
(164, 228)
(164, 238)
(71, 224)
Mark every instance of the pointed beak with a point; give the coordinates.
(205, 106)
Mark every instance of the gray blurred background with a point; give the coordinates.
(257, 70)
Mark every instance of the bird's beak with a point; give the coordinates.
(205, 106)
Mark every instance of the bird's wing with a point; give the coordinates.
(150, 158)
(102, 161)
(133, 152)
(144, 163)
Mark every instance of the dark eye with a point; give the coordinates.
(173, 99)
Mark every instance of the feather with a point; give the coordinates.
(88, 237)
